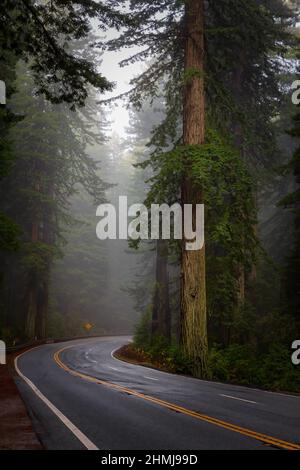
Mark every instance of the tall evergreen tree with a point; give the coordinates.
(233, 59)
(49, 161)
(47, 36)
(42, 32)
(193, 289)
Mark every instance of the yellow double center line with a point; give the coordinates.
(272, 441)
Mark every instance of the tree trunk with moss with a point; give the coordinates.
(193, 283)
(161, 321)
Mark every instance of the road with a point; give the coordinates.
(80, 397)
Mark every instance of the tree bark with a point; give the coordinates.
(161, 317)
(31, 312)
(31, 294)
(193, 283)
(43, 295)
(240, 275)
(42, 311)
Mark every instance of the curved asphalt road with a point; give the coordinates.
(114, 419)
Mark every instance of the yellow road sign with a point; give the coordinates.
(88, 327)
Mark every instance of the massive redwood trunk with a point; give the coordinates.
(30, 302)
(193, 285)
(161, 317)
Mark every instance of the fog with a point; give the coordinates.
(102, 293)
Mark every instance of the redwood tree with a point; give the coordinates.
(193, 291)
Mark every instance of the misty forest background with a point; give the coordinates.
(211, 120)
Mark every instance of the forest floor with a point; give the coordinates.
(16, 431)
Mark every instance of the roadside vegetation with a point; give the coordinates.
(269, 368)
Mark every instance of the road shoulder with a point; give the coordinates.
(16, 430)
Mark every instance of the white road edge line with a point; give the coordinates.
(151, 369)
(112, 355)
(89, 445)
(240, 399)
(150, 378)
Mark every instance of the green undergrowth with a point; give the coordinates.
(271, 369)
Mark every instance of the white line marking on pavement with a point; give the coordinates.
(89, 445)
(240, 399)
(112, 355)
(114, 368)
(87, 356)
(150, 378)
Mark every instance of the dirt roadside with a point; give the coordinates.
(16, 431)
